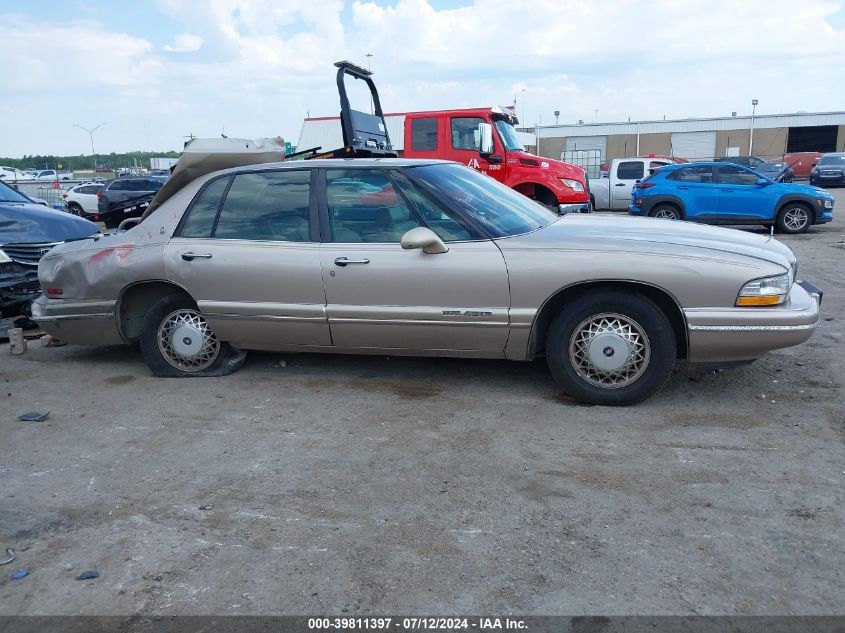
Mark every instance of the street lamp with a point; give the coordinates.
(369, 56)
(754, 103)
(557, 114)
(523, 106)
(91, 135)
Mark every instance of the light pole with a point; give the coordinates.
(91, 136)
(523, 104)
(754, 103)
(369, 56)
(557, 114)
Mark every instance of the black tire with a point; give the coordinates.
(646, 330)
(666, 211)
(75, 209)
(547, 199)
(794, 217)
(211, 358)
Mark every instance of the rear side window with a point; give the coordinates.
(698, 173)
(200, 220)
(119, 185)
(630, 170)
(271, 205)
(89, 189)
(424, 134)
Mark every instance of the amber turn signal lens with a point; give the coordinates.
(770, 300)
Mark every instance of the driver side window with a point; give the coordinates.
(465, 132)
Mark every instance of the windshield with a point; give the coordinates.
(509, 137)
(833, 159)
(7, 194)
(499, 209)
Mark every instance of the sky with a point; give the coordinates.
(156, 72)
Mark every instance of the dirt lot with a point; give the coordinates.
(309, 484)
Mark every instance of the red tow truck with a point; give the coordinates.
(486, 139)
(482, 138)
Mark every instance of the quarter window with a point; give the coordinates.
(465, 133)
(364, 206)
(271, 205)
(424, 134)
(630, 170)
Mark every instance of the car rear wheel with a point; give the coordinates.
(74, 209)
(666, 212)
(177, 341)
(794, 217)
(611, 348)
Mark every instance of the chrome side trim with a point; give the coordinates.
(63, 317)
(353, 321)
(753, 328)
(263, 317)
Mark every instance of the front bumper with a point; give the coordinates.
(578, 207)
(728, 335)
(77, 322)
(18, 287)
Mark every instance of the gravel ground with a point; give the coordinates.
(322, 484)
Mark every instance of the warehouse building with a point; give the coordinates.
(768, 136)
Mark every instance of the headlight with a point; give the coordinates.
(4, 259)
(572, 184)
(828, 204)
(769, 291)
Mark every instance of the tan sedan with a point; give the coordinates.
(421, 258)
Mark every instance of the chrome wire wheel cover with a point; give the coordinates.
(796, 218)
(609, 350)
(666, 214)
(186, 342)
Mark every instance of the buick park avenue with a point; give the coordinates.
(423, 258)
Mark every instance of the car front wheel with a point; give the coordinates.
(794, 218)
(176, 341)
(611, 348)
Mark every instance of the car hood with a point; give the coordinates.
(807, 190)
(565, 170)
(829, 167)
(32, 223)
(651, 235)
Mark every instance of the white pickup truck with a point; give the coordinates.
(50, 174)
(614, 190)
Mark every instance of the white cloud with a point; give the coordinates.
(184, 43)
(259, 65)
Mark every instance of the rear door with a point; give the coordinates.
(380, 296)
(741, 197)
(697, 188)
(248, 252)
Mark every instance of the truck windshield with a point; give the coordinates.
(499, 209)
(7, 194)
(509, 137)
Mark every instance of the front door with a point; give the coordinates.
(248, 252)
(380, 296)
(741, 197)
(464, 139)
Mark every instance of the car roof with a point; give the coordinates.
(833, 154)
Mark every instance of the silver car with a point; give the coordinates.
(423, 258)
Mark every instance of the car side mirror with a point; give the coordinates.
(762, 182)
(424, 238)
(814, 164)
(485, 139)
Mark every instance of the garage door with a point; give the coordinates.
(694, 145)
(586, 151)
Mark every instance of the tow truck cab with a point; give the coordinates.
(485, 139)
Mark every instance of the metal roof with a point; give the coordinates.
(802, 119)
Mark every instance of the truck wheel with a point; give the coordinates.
(177, 341)
(610, 348)
(546, 198)
(666, 211)
(794, 217)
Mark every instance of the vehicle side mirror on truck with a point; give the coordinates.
(485, 138)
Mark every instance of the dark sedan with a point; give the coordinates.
(829, 171)
(779, 172)
(27, 232)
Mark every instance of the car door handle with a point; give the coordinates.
(726, 190)
(683, 188)
(189, 256)
(619, 184)
(343, 261)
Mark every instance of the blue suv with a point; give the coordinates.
(727, 193)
